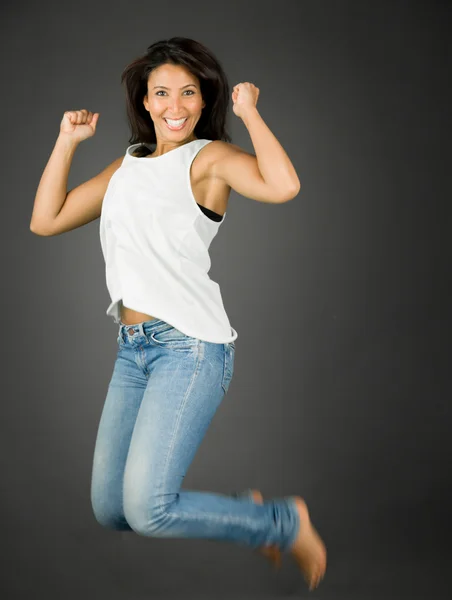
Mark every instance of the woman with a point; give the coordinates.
(160, 205)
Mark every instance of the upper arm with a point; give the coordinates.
(83, 204)
(240, 170)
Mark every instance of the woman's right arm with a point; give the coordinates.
(55, 210)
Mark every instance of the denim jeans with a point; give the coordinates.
(163, 393)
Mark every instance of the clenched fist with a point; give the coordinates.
(79, 124)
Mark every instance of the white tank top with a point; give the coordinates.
(155, 240)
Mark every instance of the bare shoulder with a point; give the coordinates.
(218, 153)
(220, 149)
(239, 169)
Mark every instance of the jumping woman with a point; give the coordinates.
(160, 206)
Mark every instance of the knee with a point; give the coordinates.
(147, 524)
(111, 521)
(149, 521)
(109, 517)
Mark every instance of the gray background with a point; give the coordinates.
(341, 298)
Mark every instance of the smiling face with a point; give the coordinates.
(173, 93)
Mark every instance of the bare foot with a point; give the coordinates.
(308, 548)
(271, 551)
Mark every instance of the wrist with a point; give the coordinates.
(66, 144)
(67, 141)
(248, 114)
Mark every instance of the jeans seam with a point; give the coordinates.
(211, 516)
(225, 358)
(179, 416)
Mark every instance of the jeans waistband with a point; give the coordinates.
(144, 328)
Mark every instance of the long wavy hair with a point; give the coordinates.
(200, 61)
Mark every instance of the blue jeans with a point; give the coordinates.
(162, 396)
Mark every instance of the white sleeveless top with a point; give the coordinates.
(155, 240)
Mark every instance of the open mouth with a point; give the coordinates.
(176, 125)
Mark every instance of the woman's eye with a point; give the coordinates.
(163, 92)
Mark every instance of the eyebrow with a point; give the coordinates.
(166, 88)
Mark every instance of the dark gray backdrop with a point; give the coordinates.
(340, 297)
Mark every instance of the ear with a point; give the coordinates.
(145, 102)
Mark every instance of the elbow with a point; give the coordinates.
(291, 193)
(37, 231)
(34, 230)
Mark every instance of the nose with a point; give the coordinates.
(175, 105)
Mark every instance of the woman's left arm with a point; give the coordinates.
(270, 175)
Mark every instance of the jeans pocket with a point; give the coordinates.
(228, 370)
(174, 339)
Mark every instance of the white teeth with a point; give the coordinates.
(175, 123)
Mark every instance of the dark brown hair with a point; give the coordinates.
(200, 61)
